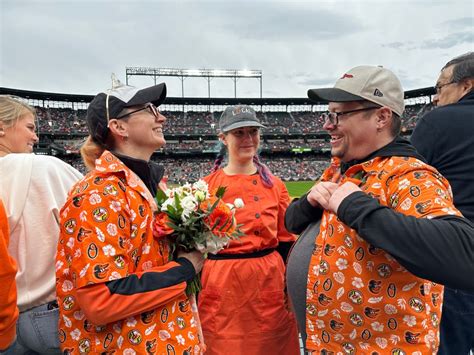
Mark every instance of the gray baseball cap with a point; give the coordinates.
(238, 116)
(371, 83)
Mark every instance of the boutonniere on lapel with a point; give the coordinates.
(359, 178)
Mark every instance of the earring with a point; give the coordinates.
(2, 132)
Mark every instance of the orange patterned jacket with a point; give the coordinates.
(359, 298)
(117, 290)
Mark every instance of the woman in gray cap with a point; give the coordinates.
(117, 290)
(243, 304)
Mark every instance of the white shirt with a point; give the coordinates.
(33, 189)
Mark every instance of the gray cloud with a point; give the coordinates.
(72, 46)
(395, 45)
(446, 42)
(408, 80)
(449, 41)
(316, 82)
(460, 22)
(286, 22)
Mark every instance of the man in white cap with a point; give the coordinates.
(381, 207)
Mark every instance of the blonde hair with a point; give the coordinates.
(12, 108)
(90, 151)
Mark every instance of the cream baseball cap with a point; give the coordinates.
(372, 83)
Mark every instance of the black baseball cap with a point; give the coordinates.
(109, 104)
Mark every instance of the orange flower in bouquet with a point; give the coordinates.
(221, 220)
(161, 226)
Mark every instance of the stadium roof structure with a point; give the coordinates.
(208, 74)
(46, 96)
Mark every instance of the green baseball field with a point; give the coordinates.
(298, 188)
(295, 188)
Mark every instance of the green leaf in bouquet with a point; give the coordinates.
(171, 210)
(194, 286)
(160, 197)
(172, 250)
(218, 220)
(226, 222)
(238, 232)
(191, 221)
(212, 208)
(177, 202)
(173, 225)
(220, 191)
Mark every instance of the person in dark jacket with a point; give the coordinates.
(445, 137)
(385, 215)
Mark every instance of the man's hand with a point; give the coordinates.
(320, 194)
(340, 194)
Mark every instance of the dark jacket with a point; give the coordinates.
(149, 172)
(445, 137)
(440, 249)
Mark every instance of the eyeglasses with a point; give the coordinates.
(438, 87)
(153, 110)
(333, 117)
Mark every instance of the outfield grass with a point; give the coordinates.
(298, 188)
(295, 188)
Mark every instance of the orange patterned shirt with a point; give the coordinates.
(359, 298)
(116, 289)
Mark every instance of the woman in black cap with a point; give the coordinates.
(116, 287)
(243, 306)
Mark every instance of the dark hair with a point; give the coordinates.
(262, 169)
(396, 125)
(463, 67)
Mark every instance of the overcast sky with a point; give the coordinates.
(72, 46)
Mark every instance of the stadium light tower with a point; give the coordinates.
(208, 74)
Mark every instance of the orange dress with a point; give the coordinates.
(243, 305)
(117, 292)
(8, 309)
(360, 300)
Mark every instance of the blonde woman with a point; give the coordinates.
(33, 189)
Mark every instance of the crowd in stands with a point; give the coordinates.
(413, 113)
(69, 121)
(66, 121)
(271, 145)
(288, 169)
(61, 120)
(180, 170)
